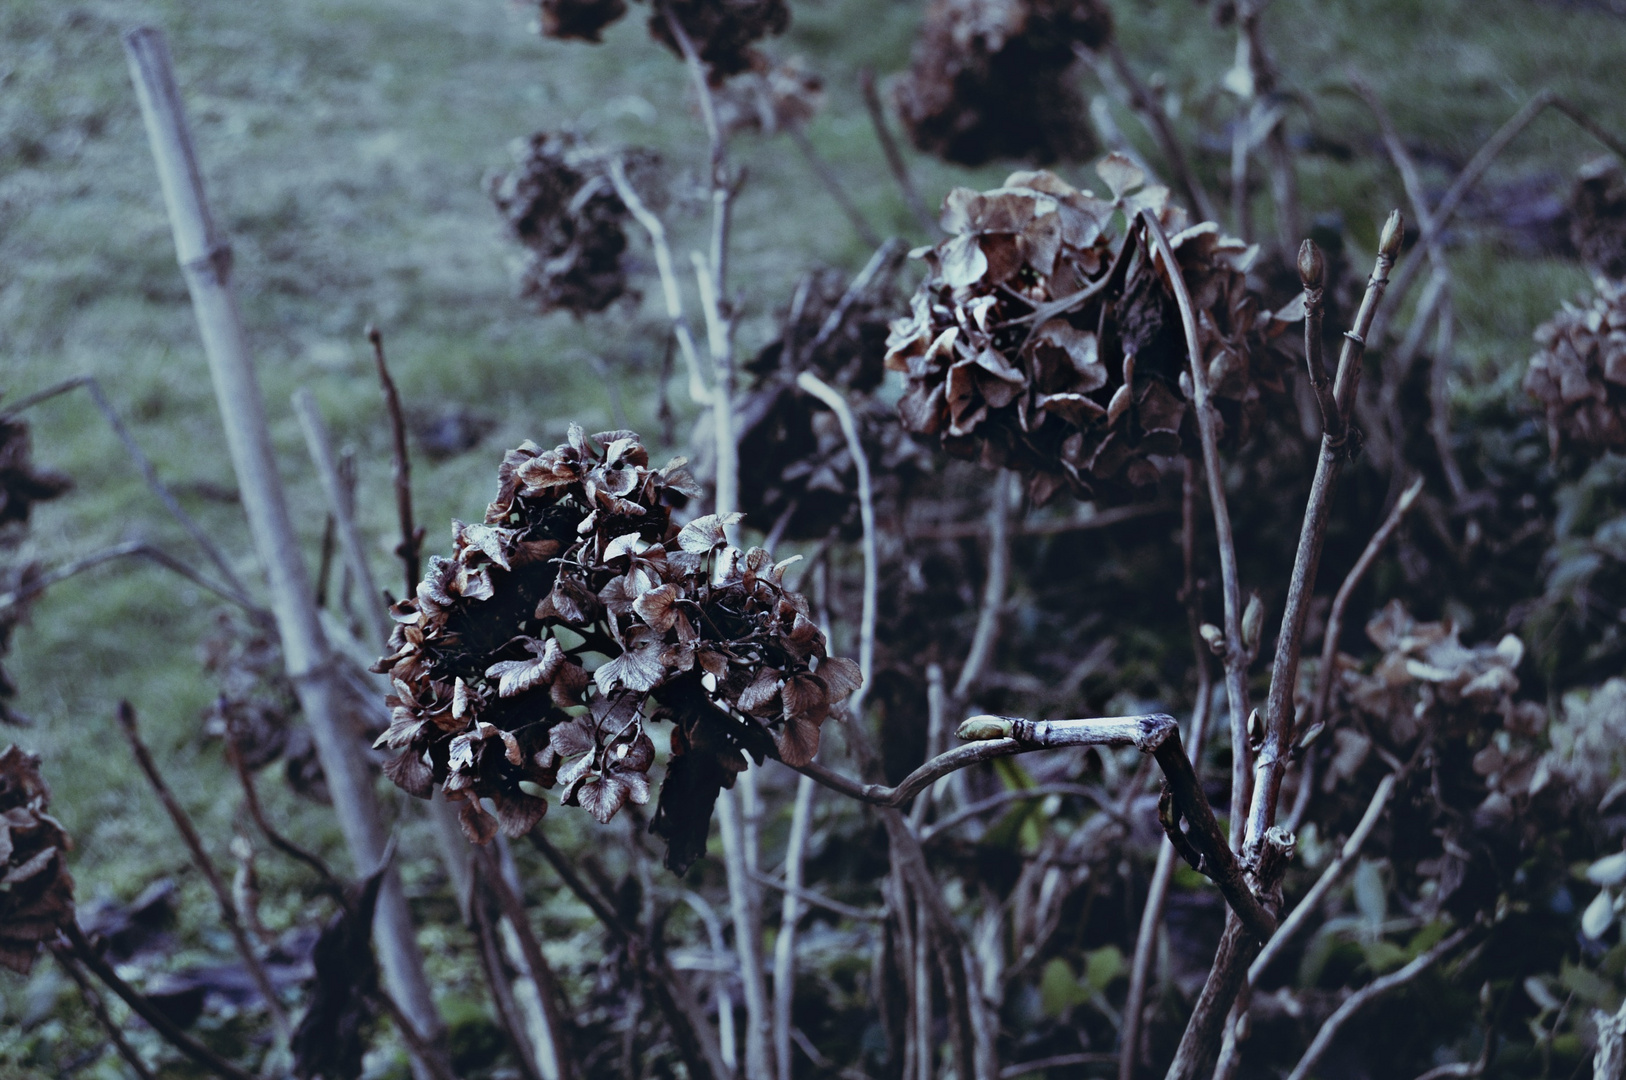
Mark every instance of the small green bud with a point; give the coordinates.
(1256, 728)
(1394, 230)
(1253, 622)
(1311, 735)
(982, 728)
(1214, 636)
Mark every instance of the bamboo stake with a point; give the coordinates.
(205, 258)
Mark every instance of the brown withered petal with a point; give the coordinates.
(569, 684)
(573, 738)
(806, 697)
(761, 697)
(796, 741)
(603, 796)
(658, 608)
(841, 677)
(479, 826)
(637, 668)
(517, 814)
(409, 773)
(703, 534)
(518, 676)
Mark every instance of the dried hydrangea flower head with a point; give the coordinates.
(724, 32)
(36, 890)
(797, 474)
(1476, 754)
(1598, 216)
(774, 96)
(1580, 373)
(994, 78)
(560, 203)
(1045, 338)
(579, 20)
(578, 560)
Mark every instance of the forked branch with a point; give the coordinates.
(1155, 733)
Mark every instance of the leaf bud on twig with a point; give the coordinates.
(1215, 637)
(1312, 266)
(980, 728)
(1393, 231)
(1253, 623)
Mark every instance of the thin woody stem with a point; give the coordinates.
(1236, 652)
(1157, 892)
(696, 1045)
(133, 549)
(235, 590)
(400, 464)
(98, 1009)
(894, 159)
(699, 393)
(200, 858)
(1376, 988)
(1439, 418)
(1154, 733)
(251, 799)
(80, 948)
(1340, 603)
(1471, 173)
(1271, 764)
(1157, 122)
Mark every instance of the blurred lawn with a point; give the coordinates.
(344, 143)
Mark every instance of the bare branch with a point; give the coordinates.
(894, 159)
(817, 899)
(400, 464)
(98, 1009)
(200, 858)
(1271, 765)
(79, 948)
(1003, 798)
(993, 592)
(1307, 907)
(1236, 652)
(552, 996)
(1366, 994)
(832, 184)
(339, 505)
(1157, 122)
(1439, 413)
(251, 799)
(690, 1031)
(1340, 603)
(1157, 892)
(1471, 173)
(235, 590)
(699, 393)
(866, 511)
(32, 587)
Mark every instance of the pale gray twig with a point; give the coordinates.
(1360, 998)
